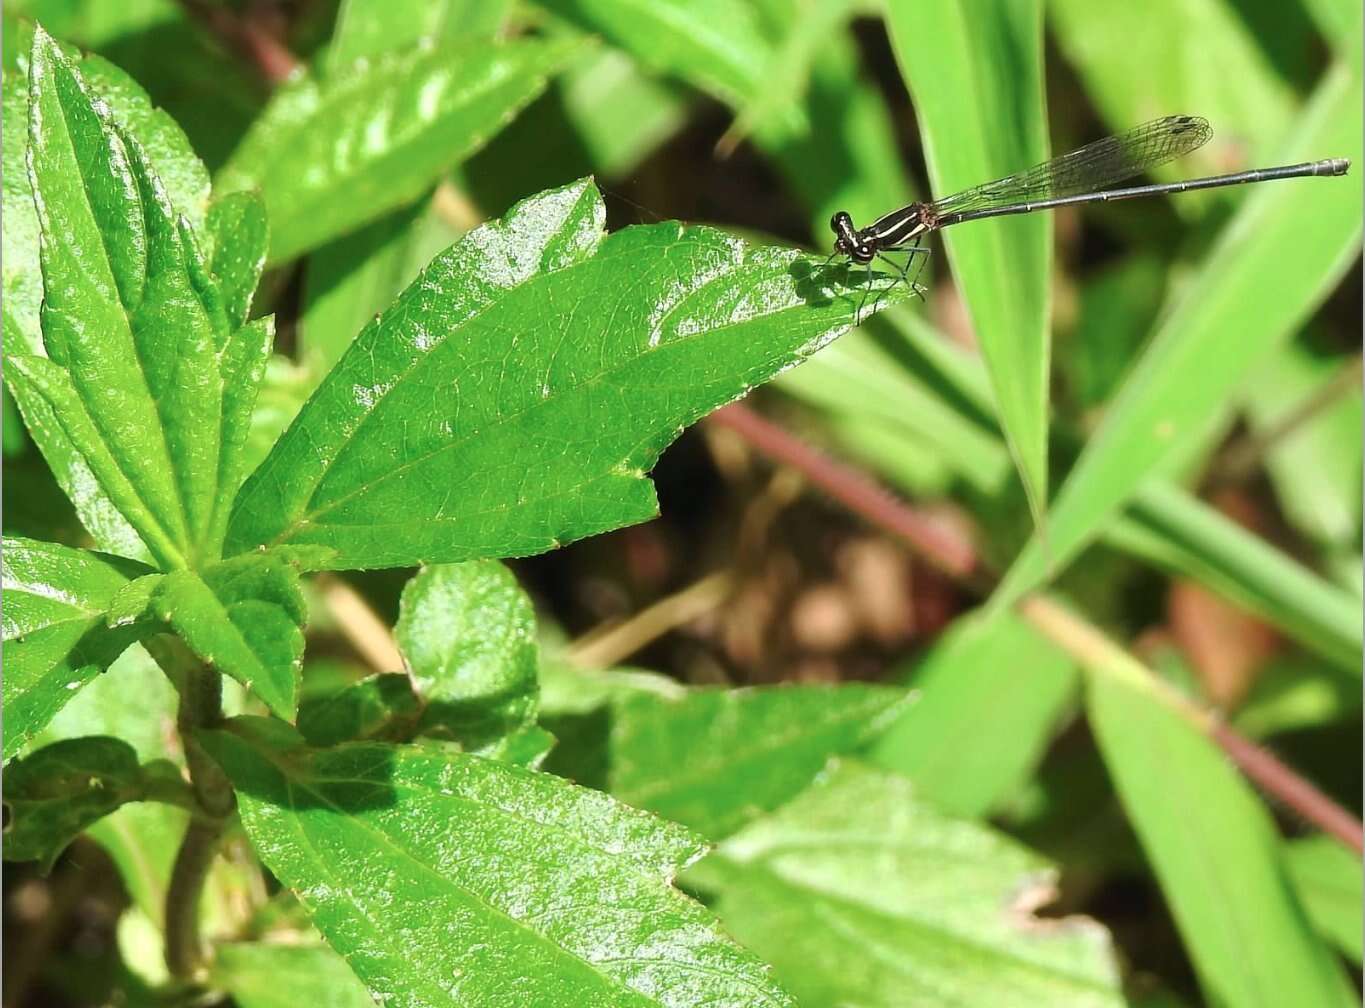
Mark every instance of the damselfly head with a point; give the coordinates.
(847, 241)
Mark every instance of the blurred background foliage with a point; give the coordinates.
(1157, 400)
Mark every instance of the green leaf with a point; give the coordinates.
(330, 156)
(717, 46)
(715, 759)
(187, 183)
(860, 893)
(483, 884)
(545, 386)
(378, 707)
(55, 638)
(243, 364)
(241, 234)
(976, 77)
(1327, 879)
(1216, 854)
(468, 633)
(246, 618)
(258, 975)
(369, 28)
(130, 311)
(55, 793)
(995, 680)
(1228, 318)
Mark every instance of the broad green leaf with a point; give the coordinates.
(1140, 61)
(717, 46)
(545, 388)
(330, 156)
(483, 884)
(243, 364)
(245, 617)
(468, 634)
(348, 282)
(55, 637)
(1327, 879)
(1247, 297)
(859, 893)
(1316, 466)
(378, 707)
(130, 311)
(55, 793)
(715, 759)
(240, 236)
(994, 680)
(258, 975)
(1182, 534)
(369, 28)
(1216, 854)
(975, 74)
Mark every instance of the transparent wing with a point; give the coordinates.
(1093, 167)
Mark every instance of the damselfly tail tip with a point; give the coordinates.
(1339, 165)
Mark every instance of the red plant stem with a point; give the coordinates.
(248, 35)
(951, 553)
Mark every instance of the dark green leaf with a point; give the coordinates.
(544, 384)
(1327, 878)
(329, 156)
(56, 792)
(468, 633)
(284, 976)
(975, 73)
(994, 680)
(486, 884)
(861, 894)
(1216, 853)
(55, 598)
(380, 706)
(246, 618)
(241, 234)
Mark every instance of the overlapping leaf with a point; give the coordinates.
(485, 884)
(331, 155)
(260, 975)
(55, 637)
(511, 399)
(57, 792)
(860, 893)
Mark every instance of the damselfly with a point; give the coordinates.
(1079, 177)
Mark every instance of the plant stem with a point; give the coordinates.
(201, 706)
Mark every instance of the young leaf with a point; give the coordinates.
(946, 51)
(246, 618)
(715, 759)
(448, 878)
(1228, 318)
(1327, 878)
(187, 183)
(329, 156)
(241, 234)
(513, 396)
(468, 633)
(258, 975)
(996, 680)
(860, 893)
(56, 792)
(55, 638)
(130, 313)
(1215, 851)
